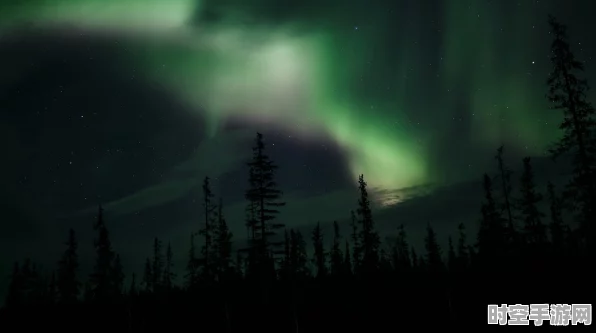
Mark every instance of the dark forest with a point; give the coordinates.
(283, 280)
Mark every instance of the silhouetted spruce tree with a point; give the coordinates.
(191, 265)
(401, 251)
(369, 239)
(148, 277)
(451, 257)
(102, 286)
(506, 188)
(319, 251)
(434, 263)
(168, 274)
(224, 244)
(336, 256)
(567, 92)
(557, 227)
(463, 253)
(157, 268)
(534, 229)
(265, 198)
(208, 230)
(117, 276)
(67, 283)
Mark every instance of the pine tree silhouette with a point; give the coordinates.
(463, 253)
(117, 276)
(264, 198)
(369, 239)
(67, 283)
(491, 234)
(451, 257)
(401, 251)
(567, 92)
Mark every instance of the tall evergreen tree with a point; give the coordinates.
(567, 93)
(534, 230)
(336, 256)
(132, 290)
(157, 268)
(369, 239)
(265, 199)
(347, 260)
(319, 251)
(102, 286)
(298, 256)
(67, 284)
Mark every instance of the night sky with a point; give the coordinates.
(131, 103)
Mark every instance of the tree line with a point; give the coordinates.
(275, 281)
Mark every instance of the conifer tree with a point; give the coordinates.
(567, 93)
(265, 199)
(157, 268)
(534, 230)
(298, 256)
(336, 257)
(319, 251)
(67, 284)
(369, 239)
(132, 290)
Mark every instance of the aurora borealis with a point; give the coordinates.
(409, 92)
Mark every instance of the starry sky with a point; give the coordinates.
(131, 103)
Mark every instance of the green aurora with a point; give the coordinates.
(331, 73)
